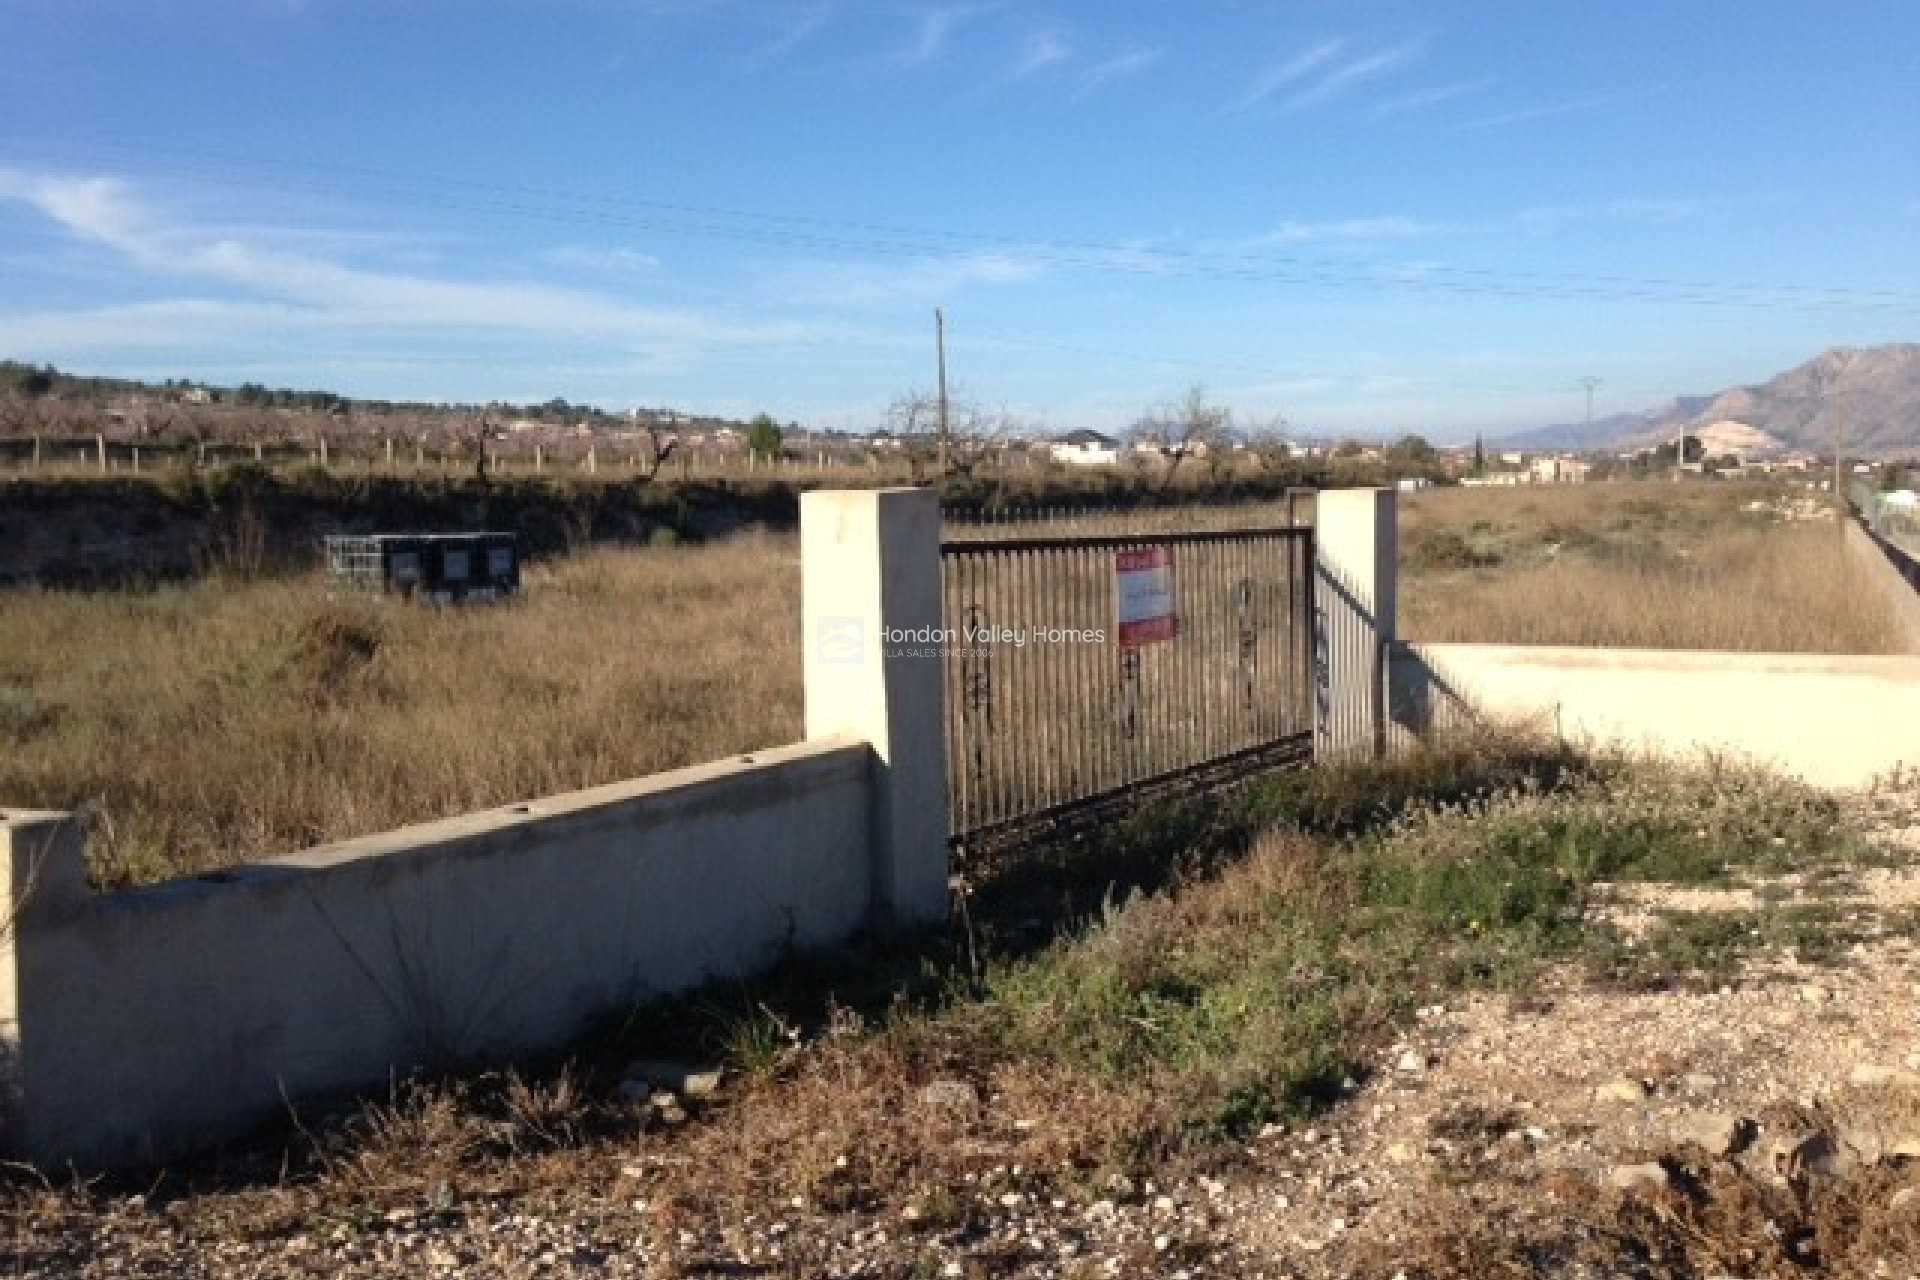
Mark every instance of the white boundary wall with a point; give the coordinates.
(138, 1024)
(1833, 721)
(1900, 586)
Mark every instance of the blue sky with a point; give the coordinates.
(1358, 216)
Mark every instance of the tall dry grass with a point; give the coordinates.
(227, 720)
(1654, 565)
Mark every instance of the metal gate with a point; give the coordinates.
(1085, 672)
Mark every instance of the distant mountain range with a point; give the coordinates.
(1874, 391)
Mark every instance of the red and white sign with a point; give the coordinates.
(1143, 594)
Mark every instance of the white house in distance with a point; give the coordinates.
(1086, 449)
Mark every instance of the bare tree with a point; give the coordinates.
(1192, 428)
(1269, 439)
(914, 420)
(976, 435)
(660, 447)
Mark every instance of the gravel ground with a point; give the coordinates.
(1511, 1113)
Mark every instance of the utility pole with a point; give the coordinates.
(1839, 464)
(1589, 383)
(940, 352)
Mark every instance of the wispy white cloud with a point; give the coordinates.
(933, 29)
(1344, 231)
(1526, 114)
(1040, 50)
(1323, 72)
(803, 26)
(1339, 80)
(1426, 99)
(1117, 68)
(262, 287)
(1294, 69)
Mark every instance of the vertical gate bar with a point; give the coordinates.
(1170, 713)
(1254, 599)
(967, 590)
(1092, 718)
(1006, 742)
(978, 579)
(1149, 736)
(1199, 582)
(1310, 609)
(1217, 666)
(1297, 638)
(952, 707)
(1280, 558)
(1275, 671)
(1191, 583)
(1039, 570)
(1230, 731)
(982, 571)
(1055, 691)
(1035, 693)
(1260, 602)
(1009, 611)
(993, 775)
(1273, 666)
(1207, 643)
(1024, 790)
(1221, 732)
(1047, 707)
(1051, 723)
(979, 764)
(1078, 701)
(1110, 691)
(1301, 679)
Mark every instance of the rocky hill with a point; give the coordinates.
(1875, 391)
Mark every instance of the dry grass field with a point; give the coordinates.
(1648, 565)
(235, 718)
(227, 720)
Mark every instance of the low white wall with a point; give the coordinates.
(1894, 573)
(1834, 721)
(144, 1022)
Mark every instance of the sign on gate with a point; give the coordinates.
(1201, 688)
(1143, 595)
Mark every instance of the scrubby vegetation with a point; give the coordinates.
(1637, 565)
(1102, 1013)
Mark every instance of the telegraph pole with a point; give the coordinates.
(1589, 383)
(940, 351)
(1839, 464)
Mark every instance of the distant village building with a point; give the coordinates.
(1560, 470)
(1086, 449)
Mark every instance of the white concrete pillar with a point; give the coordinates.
(44, 879)
(42, 864)
(870, 570)
(1356, 541)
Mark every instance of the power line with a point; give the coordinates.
(590, 208)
